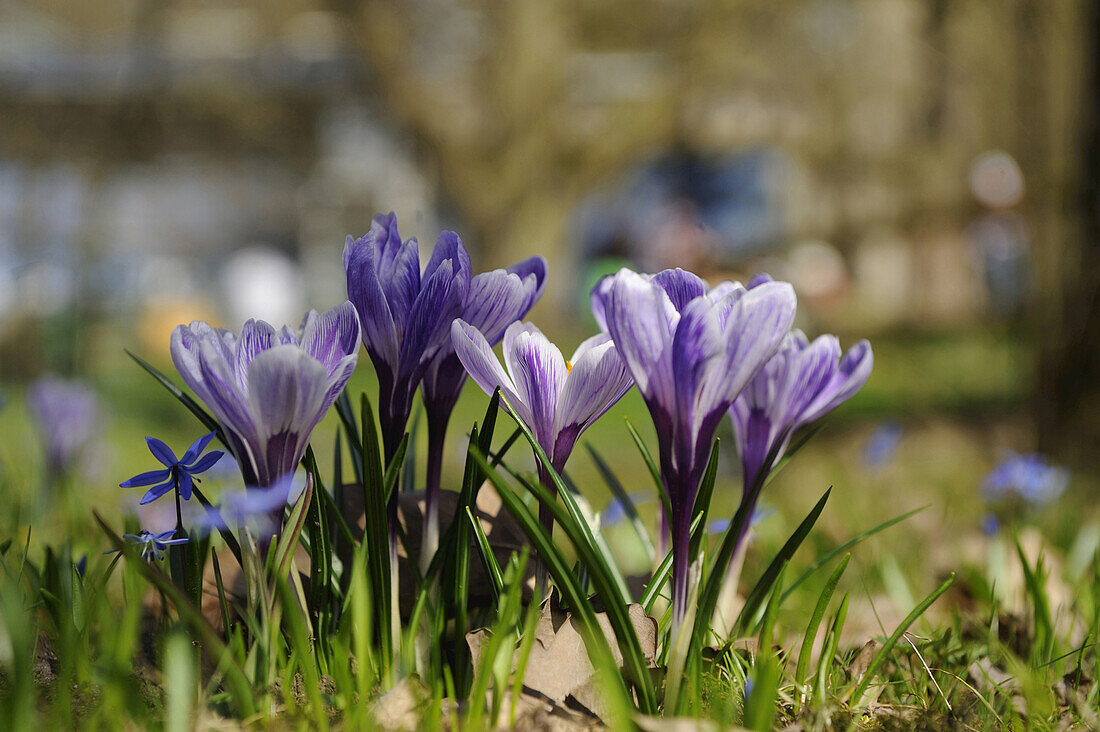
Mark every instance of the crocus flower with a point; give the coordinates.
(495, 300)
(801, 383)
(557, 399)
(66, 413)
(152, 545)
(177, 472)
(405, 316)
(691, 350)
(269, 388)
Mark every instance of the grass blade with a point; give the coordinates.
(616, 487)
(803, 666)
(488, 559)
(756, 597)
(828, 556)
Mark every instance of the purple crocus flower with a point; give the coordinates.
(269, 388)
(405, 316)
(801, 383)
(66, 413)
(177, 472)
(557, 399)
(691, 350)
(495, 300)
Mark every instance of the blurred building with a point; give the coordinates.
(147, 142)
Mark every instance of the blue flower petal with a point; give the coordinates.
(161, 452)
(143, 479)
(185, 485)
(156, 492)
(204, 463)
(196, 449)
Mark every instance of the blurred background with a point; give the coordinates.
(924, 171)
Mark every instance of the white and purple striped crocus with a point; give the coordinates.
(691, 350)
(801, 383)
(405, 315)
(557, 399)
(269, 388)
(496, 299)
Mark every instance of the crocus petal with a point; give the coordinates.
(641, 320)
(851, 374)
(448, 248)
(161, 452)
(255, 338)
(754, 329)
(496, 300)
(332, 337)
(481, 364)
(286, 388)
(365, 291)
(143, 479)
(196, 449)
(682, 287)
(206, 462)
(538, 371)
(597, 380)
(532, 267)
(440, 302)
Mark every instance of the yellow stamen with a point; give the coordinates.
(568, 366)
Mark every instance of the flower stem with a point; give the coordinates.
(546, 518)
(437, 431)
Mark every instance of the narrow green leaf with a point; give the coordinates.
(617, 490)
(760, 704)
(803, 666)
(654, 472)
(828, 652)
(488, 559)
(747, 616)
(376, 536)
(830, 555)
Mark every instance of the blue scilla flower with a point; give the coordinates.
(881, 445)
(177, 472)
(152, 545)
(1028, 477)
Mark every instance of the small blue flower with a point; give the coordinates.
(991, 525)
(177, 472)
(152, 545)
(881, 445)
(720, 525)
(1029, 477)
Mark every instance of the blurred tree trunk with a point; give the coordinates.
(1067, 395)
